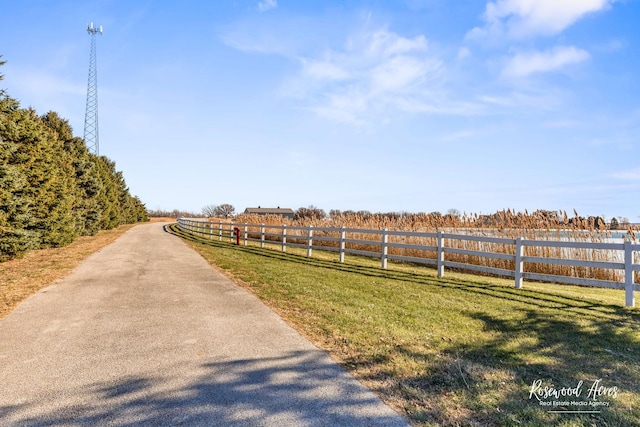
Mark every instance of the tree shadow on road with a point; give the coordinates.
(303, 388)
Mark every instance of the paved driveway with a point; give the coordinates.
(145, 332)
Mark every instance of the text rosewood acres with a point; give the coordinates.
(544, 394)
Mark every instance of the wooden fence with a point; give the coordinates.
(490, 255)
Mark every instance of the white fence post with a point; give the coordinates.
(284, 238)
(519, 266)
(628, 274)
(230, 232)
(262, 235)
(211, 231)
(440, 244)
(343, 235)
(310, 241)
(220, 231)
(383, 255)
(246, 228)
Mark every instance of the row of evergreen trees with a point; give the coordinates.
(52, 189)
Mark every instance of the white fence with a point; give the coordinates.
(378, 243)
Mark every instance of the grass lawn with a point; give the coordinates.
(461, 350)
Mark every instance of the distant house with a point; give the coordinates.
(284, 212)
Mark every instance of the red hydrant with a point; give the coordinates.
(236, 231)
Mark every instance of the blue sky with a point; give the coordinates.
(415, 105)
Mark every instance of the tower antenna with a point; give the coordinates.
(91, 112)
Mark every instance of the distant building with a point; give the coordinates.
(284, 212)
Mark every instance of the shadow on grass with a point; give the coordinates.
(558, 340)
(493, 380)
(297, 389)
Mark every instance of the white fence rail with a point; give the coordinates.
(377, 244)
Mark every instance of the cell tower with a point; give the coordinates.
(91, 112)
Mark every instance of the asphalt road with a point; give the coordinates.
(146, 333)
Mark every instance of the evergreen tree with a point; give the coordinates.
(15, 215)
(49, 177)
(85, 210)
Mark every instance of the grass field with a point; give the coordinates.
(461, 350)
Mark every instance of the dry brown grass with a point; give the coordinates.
(25, 276)
(162, 219)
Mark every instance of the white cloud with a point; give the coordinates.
(45, 90)
(463, 134)
(45, 85)
(463, 53)
(349, 107)
(398, 73)
(386, 44)
(374, 74)
(523, 18)
(562, 124)
(525, 64)
(257, 42)
(324, 69)
(548, 100)
(628, 175)
(265, 5)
